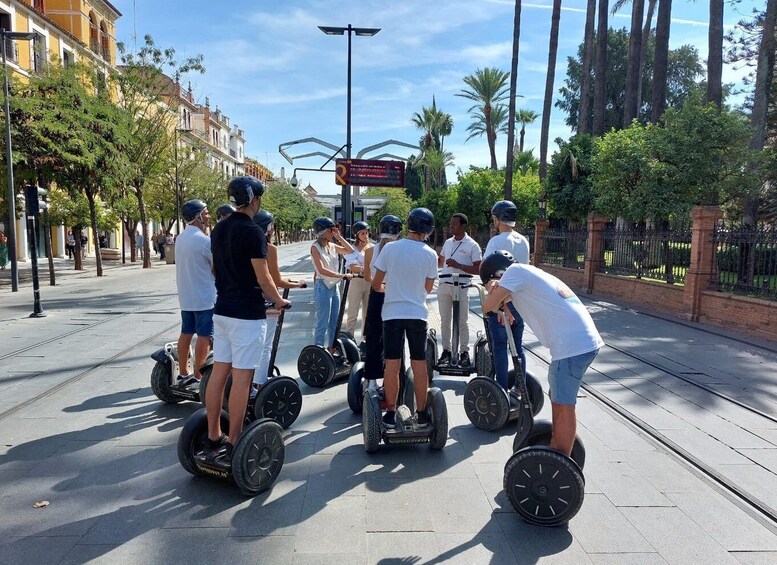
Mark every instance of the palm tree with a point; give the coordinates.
(434, 162)
(661, 62)
(511, 105)
(630, 103)
(525, 117)
(588, 55)
(555, 19)
(600, 84)
(643, 45)
(436, 125)
(715, 56)
(487, 88)
(479, 127)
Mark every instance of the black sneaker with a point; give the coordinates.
(445, 358)
(230, 449)
(215, 448)
(185, 381)
(388, 420)
(422, 418)
(464, 359)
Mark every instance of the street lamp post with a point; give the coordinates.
(5, 36)
(345, 200)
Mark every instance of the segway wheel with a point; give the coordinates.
(279, 399)
(540, 436)
(439, 436)
(431, 356)
(193, 437)
(545, 487)
(483, 365)
(371, 424)
(407, 390)
(486, 404)
(316, 366)
(161, 381)
(536, 395)
(355, 388)
(351, 351)
(206, 372)
(258, 457)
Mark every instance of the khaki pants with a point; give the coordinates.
(445, 294)
(358, 295)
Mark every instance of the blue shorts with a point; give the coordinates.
(565, 375)
(199, 322)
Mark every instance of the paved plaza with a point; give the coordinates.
(81, 429)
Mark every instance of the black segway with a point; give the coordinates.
(482, 359)
(407, 431)
(256, 461)
(543, 485)
(316, 364)
(164, 372)
(280, 398)
(488, 406)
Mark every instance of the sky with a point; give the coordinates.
(276, 75)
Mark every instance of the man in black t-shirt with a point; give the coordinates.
(242, 281)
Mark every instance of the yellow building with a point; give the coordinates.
(66, 31)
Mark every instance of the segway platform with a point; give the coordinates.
(166, 369)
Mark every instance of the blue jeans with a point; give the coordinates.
(499, 345)
(327, 301)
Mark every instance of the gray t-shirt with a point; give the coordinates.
(194, 270)
(512, 242)
(407, 264)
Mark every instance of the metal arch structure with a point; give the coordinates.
(290, 158)
(369, 148)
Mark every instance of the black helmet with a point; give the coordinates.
(242, 190)
(420, 220)
(493, 266)
(191, 210)
(320, 224)
(505, 211)
(390, 225)
(224, 211)
(359, 226)
(264, 220)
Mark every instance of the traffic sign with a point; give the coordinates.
(370, 172)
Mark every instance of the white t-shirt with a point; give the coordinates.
(465, 251)
(556, 315)
(407, 264)
(511, 241)
(194, 270)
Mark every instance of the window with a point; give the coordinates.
(5, 23)
(39, 53)
(105, 46)
(94, 34)
(68, 58)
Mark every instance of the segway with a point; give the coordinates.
(482, 359)
(163, 375)
(488, 406)
(280, 398)
(544, 486)
(357, 386)
(317, 366)
(407, 431)
(256, 461)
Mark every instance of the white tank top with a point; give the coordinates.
(329, 261)
(375, 254)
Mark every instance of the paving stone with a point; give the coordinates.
(753, 479)
(626, 559)
(756, 557)
(36, 549)
(535, 544)
(623, 485)
(460, 506)
(663, 472)
(399, 506)
(328, 526)
(484, 547)
(277, 512)
(764, 457)
(769, 434)
(405, 547)
(706, 448)
(491, 476)
(329, 559)
(676, 537)
(599, 527)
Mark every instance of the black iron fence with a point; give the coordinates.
(663, 255)
(565, 247)
(746, 262)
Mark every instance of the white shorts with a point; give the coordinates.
(235, 341)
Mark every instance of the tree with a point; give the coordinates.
(588, 57)
(631, 101)
(555, 19)
(511, 105)
(569, 184)
(683, 74)
(487, 88)
(525, 117)
(481, 125)
(600, 72)
(292, 210)
(643, 41)
(660, 67)
(436, 125)
(526, 163)
(715, 54)
(397, 203)
(434, 162)
(142, 88)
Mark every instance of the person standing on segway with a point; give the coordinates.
(359, 291)
(196, 290)
(504, 214)
(561, 323)
(389, 229)
(460, 255)
(325, 254)
(242, 281)
(409, 268)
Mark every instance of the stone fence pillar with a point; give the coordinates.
(703, 260)
(539, 241)
(594, 249)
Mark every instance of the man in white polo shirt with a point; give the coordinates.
(460, 254)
